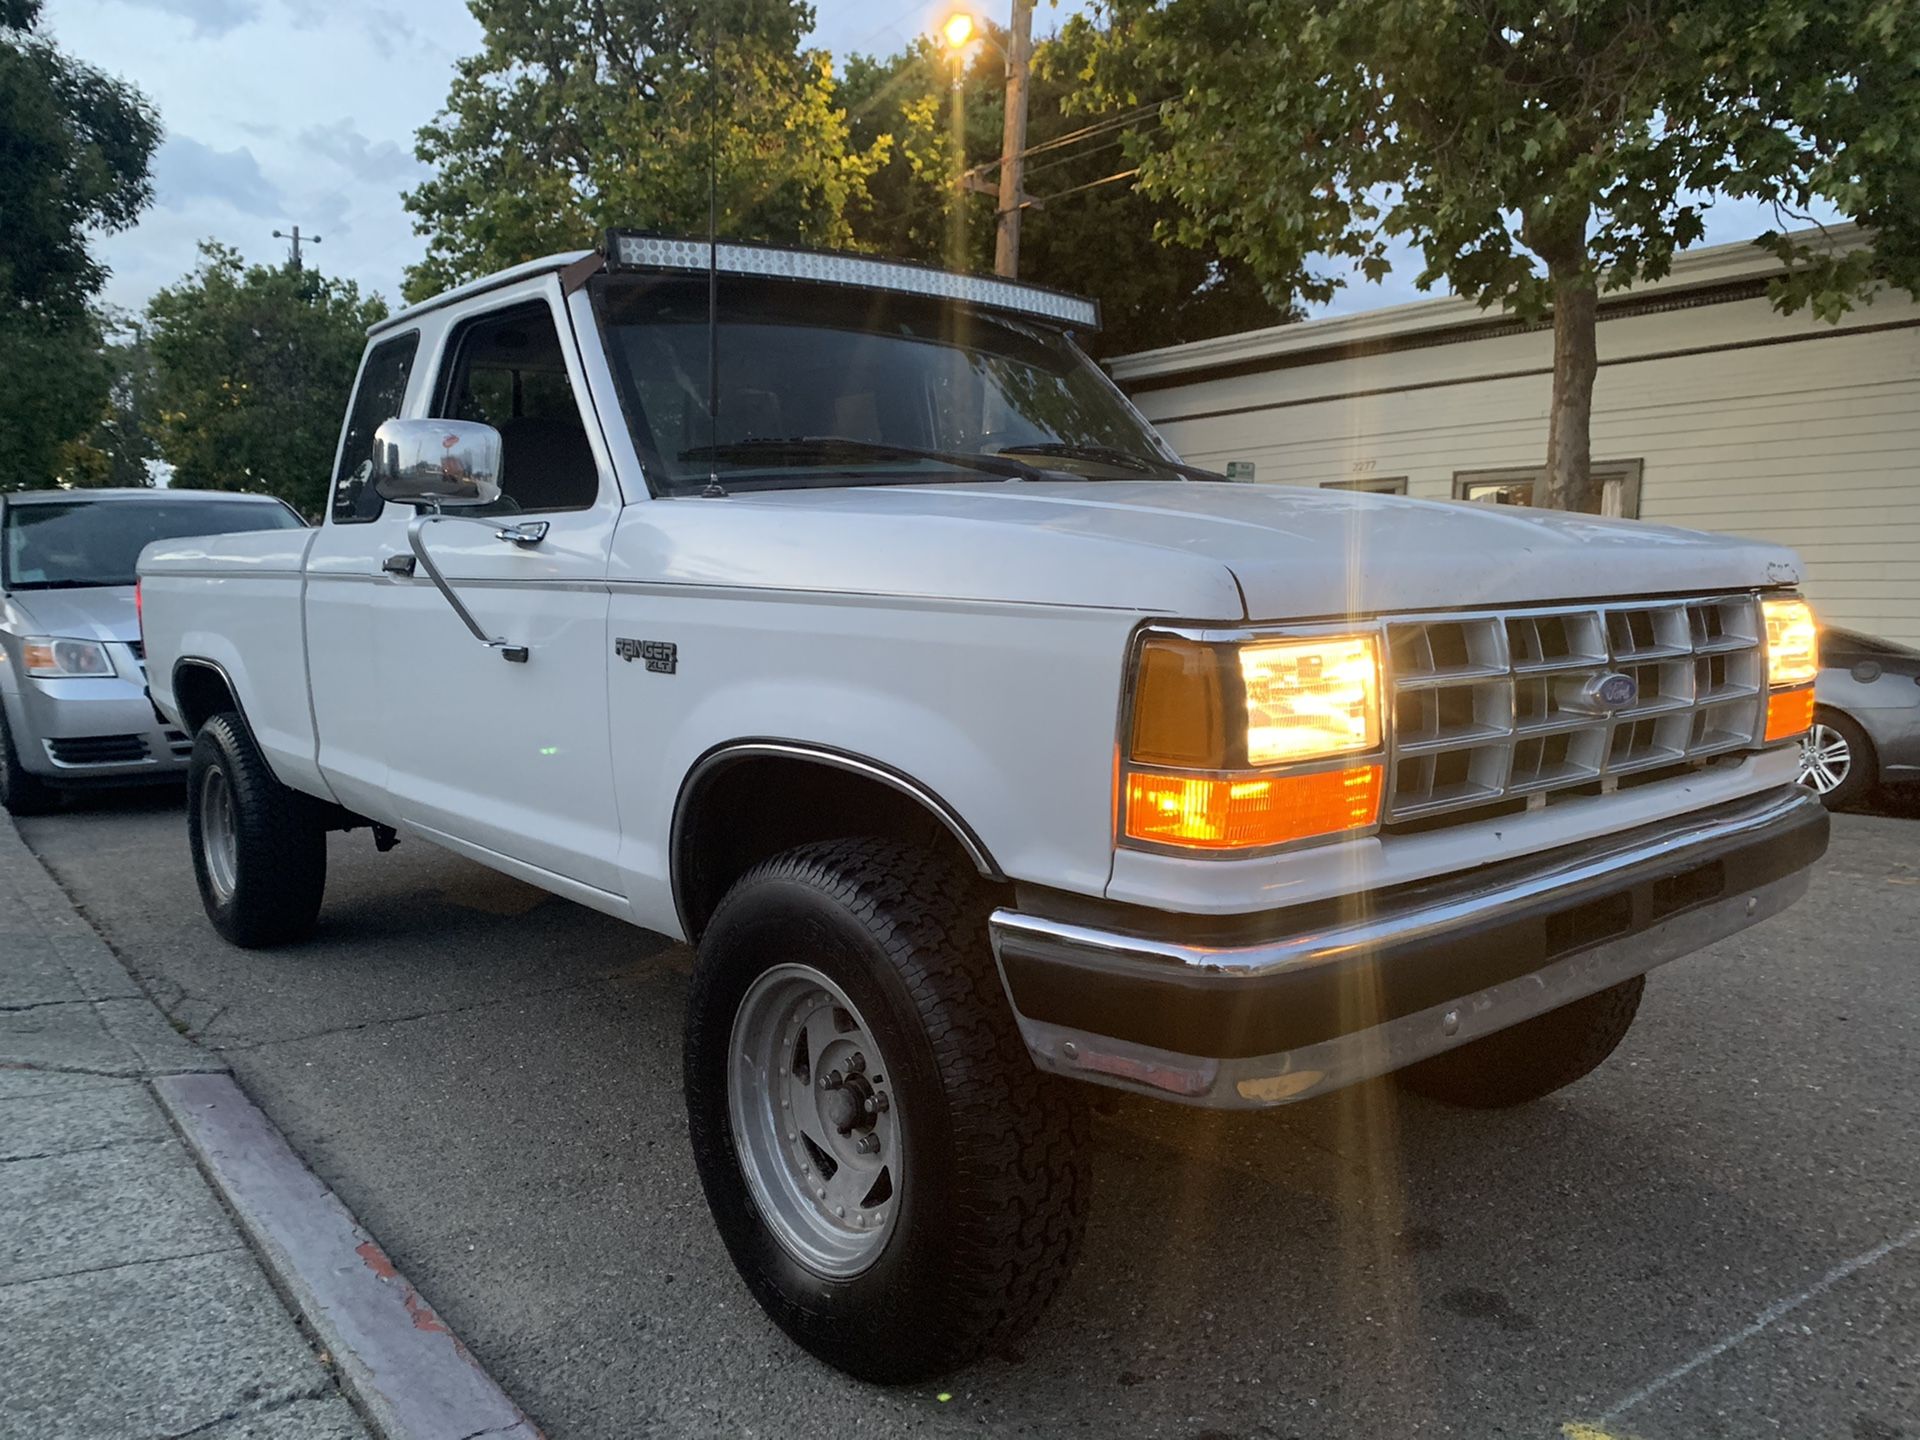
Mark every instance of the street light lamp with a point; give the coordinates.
(957, 30)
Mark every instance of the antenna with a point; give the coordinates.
(715, 490)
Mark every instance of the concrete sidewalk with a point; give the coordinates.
(130, 1303)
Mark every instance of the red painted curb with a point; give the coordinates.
(408, 1373)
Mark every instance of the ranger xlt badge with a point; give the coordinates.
(662, 656)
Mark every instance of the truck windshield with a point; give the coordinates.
(829, 385)
(56, 545)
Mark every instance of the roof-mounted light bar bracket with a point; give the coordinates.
(636, 250)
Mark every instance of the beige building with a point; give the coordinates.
(1711, 410)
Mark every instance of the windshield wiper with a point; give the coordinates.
(1110, 455)
(826, 449)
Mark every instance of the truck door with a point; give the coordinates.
(510, 757)
(344, 591)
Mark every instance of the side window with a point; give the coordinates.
(507, 370)
(383, 388)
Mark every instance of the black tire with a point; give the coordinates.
(993, 1207)
(21, 791)
(1534, 1058)
(279, 855)
(1863, 765)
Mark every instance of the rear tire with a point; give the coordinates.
(21, 791)
(259, 848)
(869, 944)
(1532, 1059)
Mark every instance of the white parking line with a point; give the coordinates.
(1765, 1318)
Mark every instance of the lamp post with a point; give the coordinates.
(959, 31)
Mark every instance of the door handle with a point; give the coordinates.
(398, 565)
(527, 532)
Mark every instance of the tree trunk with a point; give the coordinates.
(1568, 483)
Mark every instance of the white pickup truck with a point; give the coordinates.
(860, 633)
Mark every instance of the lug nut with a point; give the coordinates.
(857, 1063)
(832, 1080)
(869, 1144)
(879, 1103)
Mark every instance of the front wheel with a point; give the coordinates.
(1837, 760)
(21, 791)
(259, 848)
(899, 1187)
(1532, 1059)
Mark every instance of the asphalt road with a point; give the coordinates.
(1717, 1234)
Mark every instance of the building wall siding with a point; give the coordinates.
(1813, 443)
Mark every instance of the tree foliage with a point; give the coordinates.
(116, 449)
(252, 366)
(577, 115)
(1536, 152)
(75, 145)
(1156, 285)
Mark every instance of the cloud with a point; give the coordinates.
(209, 17)
(382, 162)
(185, 171)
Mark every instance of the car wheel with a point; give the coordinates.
(897, 1184)
(1837, 760)
(1532, 1059)
(21, 791)
(259, 848)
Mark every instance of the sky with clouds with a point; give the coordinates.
(303, 111)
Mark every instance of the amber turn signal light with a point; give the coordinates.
(1242, 812)
(1789, 713)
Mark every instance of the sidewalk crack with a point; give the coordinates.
(237, 1248)
(319, 1391)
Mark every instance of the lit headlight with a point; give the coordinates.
(1793, 642)
(51, 659)
(1310, 698)
(1253, 717)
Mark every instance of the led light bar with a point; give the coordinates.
(630, 250)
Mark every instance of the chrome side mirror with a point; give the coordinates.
(444, 463)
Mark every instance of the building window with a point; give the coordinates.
(1619, 486)
(1376, 485)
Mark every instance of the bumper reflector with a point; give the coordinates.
(1210, 812)
(1789, 713)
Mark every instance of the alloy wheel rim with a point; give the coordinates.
(815, 1122)
(1825, 759)
(218, 839)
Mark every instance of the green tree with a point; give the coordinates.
(1537, 153)
(251, 369)
(75, 145)
(1102, 237)
(577, 115)
(118, 447)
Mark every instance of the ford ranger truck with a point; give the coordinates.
(977, 744)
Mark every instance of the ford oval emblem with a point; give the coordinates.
(1614, 691)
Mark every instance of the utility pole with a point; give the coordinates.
(1013, 143)
(294, 248)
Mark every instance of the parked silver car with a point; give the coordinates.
(73, 682)
(1866, 720)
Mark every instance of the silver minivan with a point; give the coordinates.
(73, 680)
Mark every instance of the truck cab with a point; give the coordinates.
(839, 617)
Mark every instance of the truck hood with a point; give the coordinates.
(1210, 550)
(103, 612)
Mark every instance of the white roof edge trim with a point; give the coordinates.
(776, 262)
(1710, 265)
(478, 287)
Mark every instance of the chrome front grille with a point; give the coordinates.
(1489, 705)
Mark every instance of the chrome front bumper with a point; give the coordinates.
(1270, 1009)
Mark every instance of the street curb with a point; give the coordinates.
(406, 1371)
